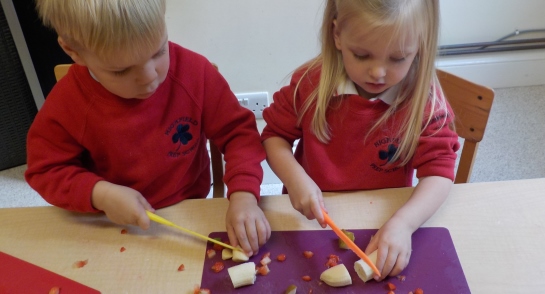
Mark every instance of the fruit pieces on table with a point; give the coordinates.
(350, 236)
(80, 264)
(292, 289)
(239, 255)
(218, 267)
(242, 274)
(226, 253)
(364, 271)
(337, 276)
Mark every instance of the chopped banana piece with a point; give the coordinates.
(239, 255)
(364, 271)
(242, 274)
(292, 289)
(336, 276)
(350, 236)
(226, 253)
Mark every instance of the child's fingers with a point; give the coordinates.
(317, 213)
(263, 231)
(232, 236)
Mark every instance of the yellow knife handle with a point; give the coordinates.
(163, 221)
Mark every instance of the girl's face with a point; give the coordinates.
(131, 78)
(374, 60)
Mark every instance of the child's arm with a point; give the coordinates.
(122, 205)
(305, 195)
(246, 223)
(393, 239)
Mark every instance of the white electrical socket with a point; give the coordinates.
(256, 102)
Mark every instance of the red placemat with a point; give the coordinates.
(434, 264)
(18, 276)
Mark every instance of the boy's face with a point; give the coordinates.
(374, 60)
(131, 79)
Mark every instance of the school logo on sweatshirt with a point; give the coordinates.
(179, 132)
(386, 149)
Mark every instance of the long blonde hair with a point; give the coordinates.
(106, 26)
(418, 18)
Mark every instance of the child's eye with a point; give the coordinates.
(397, 59)
(120, 72)
(360, 57)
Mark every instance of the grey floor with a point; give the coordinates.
(512, 148)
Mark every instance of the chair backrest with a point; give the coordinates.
(216, 158)
(471, 104)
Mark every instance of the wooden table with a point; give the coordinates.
(498, 229)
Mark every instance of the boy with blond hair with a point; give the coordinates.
(125, 130)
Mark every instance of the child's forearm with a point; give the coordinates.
(428, 195)
(282, 162)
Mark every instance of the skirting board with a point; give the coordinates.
(499, 69)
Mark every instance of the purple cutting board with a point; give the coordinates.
(434, 265)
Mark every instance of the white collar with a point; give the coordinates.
(349, 88)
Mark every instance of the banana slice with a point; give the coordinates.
(242, 274)
(240, 256)
(336, 276)
(226, 253)
(364, 271)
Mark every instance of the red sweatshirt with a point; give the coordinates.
(157, 146)
(354, 159)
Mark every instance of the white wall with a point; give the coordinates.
(257, 43)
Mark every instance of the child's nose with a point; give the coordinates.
(377, 71)
(147, 74)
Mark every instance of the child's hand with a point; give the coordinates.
(393, 242)
(246, 223)
(306, 197)
(122, 205)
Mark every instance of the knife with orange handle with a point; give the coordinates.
(349, 243)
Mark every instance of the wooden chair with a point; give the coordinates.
(216, 158)
(471, 104)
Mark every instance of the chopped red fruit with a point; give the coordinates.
(268, 254)
(401, 278)
(263, 270)
(218, 267)
(391, 286)
(80, 264)
(198, 290)
(181, 267)
(123, 231)
(418, 291)
(55, 290)
(210, 253)
(307, 278)
(391, 292)
(308, 254)
(332, 260)
(281, 257)
(122, 249)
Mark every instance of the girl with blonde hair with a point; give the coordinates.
(368, 111)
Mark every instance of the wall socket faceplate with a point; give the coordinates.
(256, 102)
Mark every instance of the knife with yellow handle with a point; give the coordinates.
(163, 221)
(349, 243)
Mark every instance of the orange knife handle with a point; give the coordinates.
(350, 244)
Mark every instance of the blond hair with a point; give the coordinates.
(106, 26)
(418, 18)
